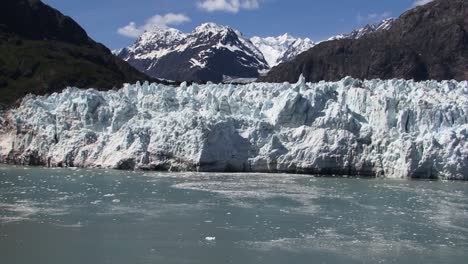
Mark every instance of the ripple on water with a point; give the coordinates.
(23, 210)
(258, 190)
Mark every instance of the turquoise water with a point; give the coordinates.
(98, 216)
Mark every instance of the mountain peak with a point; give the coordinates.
(161, 29)
(160, 34)
(285, 37)
(209, 53)
(385, 24)
(211, 27)
(153, 42)
(282, 48)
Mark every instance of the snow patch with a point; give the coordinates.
(282, 48)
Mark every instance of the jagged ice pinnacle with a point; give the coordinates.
(392, 128)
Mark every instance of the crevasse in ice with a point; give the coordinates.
(393, 128)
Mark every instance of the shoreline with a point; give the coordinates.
(319, 175)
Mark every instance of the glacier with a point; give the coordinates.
(391, 128)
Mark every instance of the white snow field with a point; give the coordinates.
(282, 48)
(393, 128)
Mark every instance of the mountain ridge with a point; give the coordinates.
(382, 25)
(427, 42)
(282, 48)
(209, 53)
(158, 48)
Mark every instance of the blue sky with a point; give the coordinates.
(316, 19)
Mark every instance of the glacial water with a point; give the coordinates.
(58, 216)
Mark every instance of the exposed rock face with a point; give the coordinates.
(210, 53)
(43, 51)
(390, 128)
(427, 42)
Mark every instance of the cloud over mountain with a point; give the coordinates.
(132, 30)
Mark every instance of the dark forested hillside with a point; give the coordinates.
(43, 51)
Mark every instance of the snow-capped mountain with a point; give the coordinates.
(210, 53)
(385, 24)
(154, 44)
(282, 48)
(425, 43)
(218, 53)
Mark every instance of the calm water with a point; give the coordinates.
(97, 216)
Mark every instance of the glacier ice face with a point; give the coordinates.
(392, 128)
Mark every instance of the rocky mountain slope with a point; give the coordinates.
(210, 53)
(390, 128)
(282, 48)
(285, 48)
(427, 42)
(217, 53)
(43, 51)
(383, 25)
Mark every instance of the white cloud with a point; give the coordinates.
(132, 30)
(421, 2)
(231, 6)
(129, 30)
